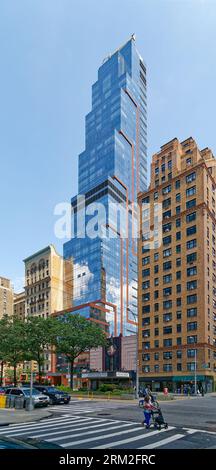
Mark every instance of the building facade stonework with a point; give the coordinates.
(177, 274)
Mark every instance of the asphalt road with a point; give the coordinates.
(117, 425)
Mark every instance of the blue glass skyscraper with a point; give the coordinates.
(112, 169)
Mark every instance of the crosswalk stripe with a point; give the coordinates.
(83, 441)
(26, 423)
(36, 426)
(92, 426)
(163, 441)
(109, 428)
(132, 439)
(67, 427)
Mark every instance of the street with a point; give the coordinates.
(89, 424)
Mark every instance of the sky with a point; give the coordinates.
(50, 51)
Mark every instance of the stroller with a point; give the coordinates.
(157, 417)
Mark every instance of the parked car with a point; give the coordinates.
(2, 390)
(56, 396)
(26, 443)
(39, 398)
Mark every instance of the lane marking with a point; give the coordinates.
(163, 441)
(132, 439)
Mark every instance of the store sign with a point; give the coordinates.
(94, 375)
(122, 374)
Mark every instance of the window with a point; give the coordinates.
(178, 209)
(167, 304)
(178, 248)
(191, 203)
(167, 265)
(167, 330)
(156, 368)
(156, 307)
(188, 160)
(177, 184)
(146, 357)
(178, 262)
(169, 164)
(191, 177)
(191, 191)
(156, 195)
(179, 366)
(191, 352)
(179, 354)
(191, 299)
(178, 235)
(166, 203)
(146, 321)
(178, 274)
(145, 285)
(191, 285)
(167, 367)
(179, 341)
(191, 244)
(146, 272)
(167, 227)
(178, 302)
(167, 189)
(146, 297)
(167, 342)
(167, 291)
(167, 355)
(167, 252)
(156, 356)
(156, 269)
(163, 167)
(191, 258)
(167, 317)
(191, 339)
(146, 369)
(156, 294)
(192, 326)
(192, 271)
(156, 331)
(178, 197)
(146, 260)
(156, 256)
(146, 345)
(156, 343)
(167, 278)
(191, 366)
(156, 281)
(190, 217)
(167, 240)
(145, 200)
(191, 230)
(167, 214)
(191, 312)
(146, 309)
(156, 319)
(178, 328)
(178, 223)
(178, 314)
(178, 288)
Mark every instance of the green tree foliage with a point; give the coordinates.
(75, 336)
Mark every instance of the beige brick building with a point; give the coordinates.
(48, 287)
(177, 269)
(19, 305)
(6, 297)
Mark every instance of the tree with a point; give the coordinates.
(77, 335)
(14, 344)
(3, 345)
(40, 335)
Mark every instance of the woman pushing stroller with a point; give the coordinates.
(148, 407)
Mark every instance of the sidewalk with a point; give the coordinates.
(12, 416)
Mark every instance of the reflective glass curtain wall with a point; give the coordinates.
(112, 168)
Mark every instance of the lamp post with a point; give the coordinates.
(31, 406)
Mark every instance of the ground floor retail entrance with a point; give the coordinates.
(178, 384)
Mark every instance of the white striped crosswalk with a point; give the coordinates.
(83, 406)
(85, 432)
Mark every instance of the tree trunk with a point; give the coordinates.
(71, 374)
(15, 375)
(2, 371)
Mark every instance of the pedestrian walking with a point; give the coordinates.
(147, 409)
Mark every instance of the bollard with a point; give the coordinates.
(7, 401)
(2, 401)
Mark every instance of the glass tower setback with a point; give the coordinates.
(112, 170)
